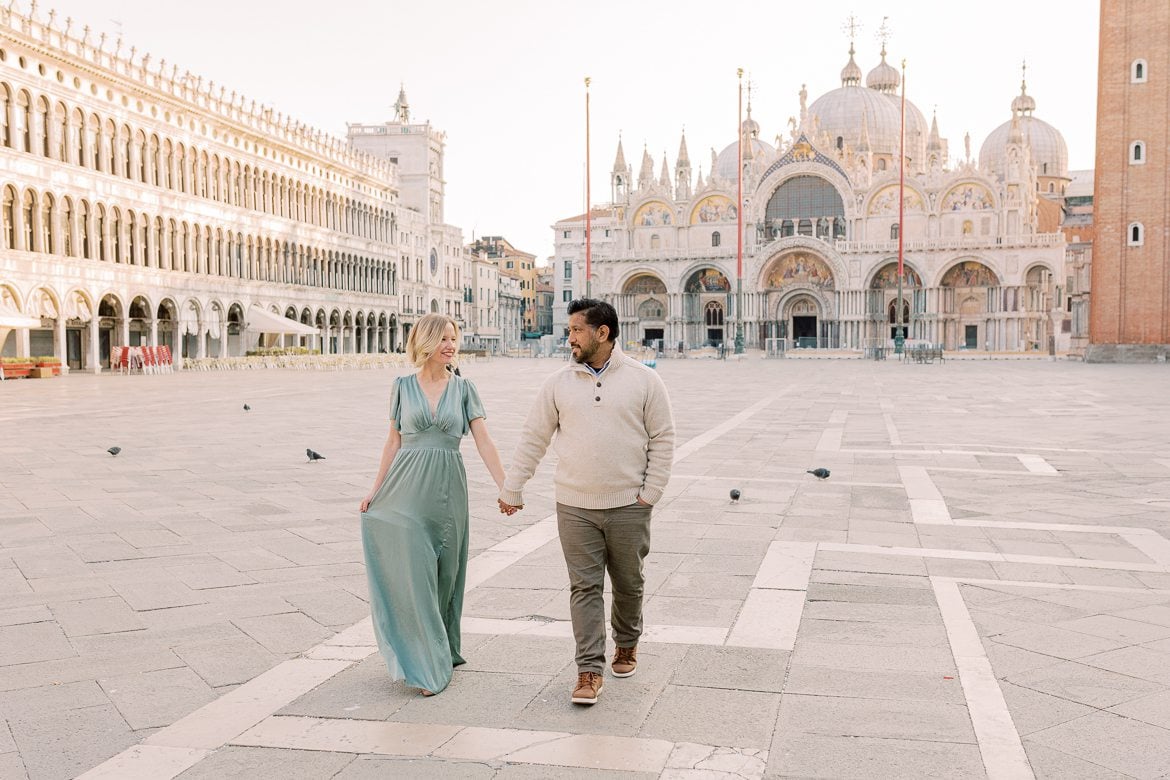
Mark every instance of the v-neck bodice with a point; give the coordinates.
(458, 405)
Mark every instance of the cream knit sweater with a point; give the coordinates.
(614, 436)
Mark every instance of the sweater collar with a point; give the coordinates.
(616, 358)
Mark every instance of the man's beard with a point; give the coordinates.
(583, 355)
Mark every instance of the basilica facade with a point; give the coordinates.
(142, 206)
(983, 256)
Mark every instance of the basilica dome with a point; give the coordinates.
(725, 164)
(1049, 151)
(843, 112)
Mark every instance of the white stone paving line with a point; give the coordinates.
(799, 477)
(926, 503)
(247, 705)
(892, 430)
(968, 555)
(475, 743)
(830, 440)
(770, 615)
(999, 741)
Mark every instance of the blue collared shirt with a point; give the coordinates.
(597, 372)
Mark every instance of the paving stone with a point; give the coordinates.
(381, 767)
(1033, 711)
(289, 633)
(875, 718)
(735, 668)
(63, 745)
(96, 616)
(1084, 684)
(1120, 744)
(1153, 709)
(364, 691)
(229, 661)
(51, 699)
(873, 684)
(1049, 764)
(267, 764)
(713, 716)
(30, 642)
(157, 698)
(796, 754)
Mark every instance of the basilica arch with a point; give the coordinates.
(798, 291)
(882, 301)
(706, 305)
(643, 308)
(967, 302)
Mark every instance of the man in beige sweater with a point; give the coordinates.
(615, 446)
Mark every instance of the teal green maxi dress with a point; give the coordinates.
(414, 535)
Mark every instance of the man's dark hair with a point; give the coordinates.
(597, 313)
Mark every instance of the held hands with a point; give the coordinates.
(366, 502)
(508, 509)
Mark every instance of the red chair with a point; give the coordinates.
(149, 365)
(120, 359)
(165, 362)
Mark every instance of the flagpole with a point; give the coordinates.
(588, 204)
(899, 332)
(739, 223)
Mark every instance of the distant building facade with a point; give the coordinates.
(141, 206)
(984, 256)
(1130, 313)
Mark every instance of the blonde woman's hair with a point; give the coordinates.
(426, 335)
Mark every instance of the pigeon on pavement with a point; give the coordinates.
(114, 450)
(819, 473)
(314, 455)
(735, 495)
(247, 408)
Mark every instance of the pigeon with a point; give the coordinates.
(247, 408)
(819, 473)
(114, 450)
(314, 455)
(735, 495)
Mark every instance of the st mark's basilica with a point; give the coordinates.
(984, 259)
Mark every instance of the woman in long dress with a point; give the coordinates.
(415, 521)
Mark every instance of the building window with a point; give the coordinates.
(1137, 153)
(565, 234)
(716, 239)
(1137, 234)
(568, 269)
(1137, 72)
(894, 231)
(566, 295)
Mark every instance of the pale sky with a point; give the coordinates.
(505, 79)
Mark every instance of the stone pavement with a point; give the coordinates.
(980, 589)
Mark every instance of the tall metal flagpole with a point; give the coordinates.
(899, 333)
(588, 204)
(739, 225)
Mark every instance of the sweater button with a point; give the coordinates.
(597, 398)
(599, 384)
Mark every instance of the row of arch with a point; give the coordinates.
(812, 199)
(35, 125)
(59, 225)
(193, 326)
(962, 272)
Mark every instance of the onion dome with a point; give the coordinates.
(1049, 151)
(885, 77)
(851, 73)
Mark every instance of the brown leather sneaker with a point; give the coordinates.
(625, 661)
(588, 688)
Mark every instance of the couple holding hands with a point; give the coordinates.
(614, 439)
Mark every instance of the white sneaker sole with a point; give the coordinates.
(623, 674)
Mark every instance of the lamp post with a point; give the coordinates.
(588, 204)
(899, 332)
(739, 224)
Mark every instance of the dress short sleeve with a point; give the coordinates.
(472, 405)
(396, 404)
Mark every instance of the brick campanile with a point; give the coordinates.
(1129, 317)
